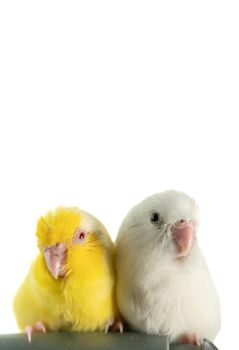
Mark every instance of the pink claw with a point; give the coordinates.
(192, 339)
(39, 327)
(29, 331)
(118, 327)
(109, 324)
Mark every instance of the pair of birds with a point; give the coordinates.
(155, 277)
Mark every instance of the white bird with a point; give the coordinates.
(163, 283)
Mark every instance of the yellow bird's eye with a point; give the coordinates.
(79, 236)
(82, 236)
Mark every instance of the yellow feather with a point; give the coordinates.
(82, 300)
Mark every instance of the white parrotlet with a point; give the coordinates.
(164, 286)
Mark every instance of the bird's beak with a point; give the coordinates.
(184, 236)
(55, 257)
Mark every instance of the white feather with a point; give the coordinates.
(157, 293)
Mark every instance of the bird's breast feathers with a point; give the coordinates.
(84, 300)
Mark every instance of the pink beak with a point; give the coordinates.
(55, 257)
(184, 235)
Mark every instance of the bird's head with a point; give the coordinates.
(168, 220)
(65, 235)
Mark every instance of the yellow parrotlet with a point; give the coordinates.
(71, 283)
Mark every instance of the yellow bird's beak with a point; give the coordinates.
(55, 258)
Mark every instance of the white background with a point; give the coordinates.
(104, 103)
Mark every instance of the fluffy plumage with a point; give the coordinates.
(163, 283)
(70, 285)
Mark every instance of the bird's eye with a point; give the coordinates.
(81, 235)
(155, 217)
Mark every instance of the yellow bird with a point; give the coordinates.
(71, 283)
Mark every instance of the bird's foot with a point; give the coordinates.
(37, 328)
(108, 325)
(192, 339)
(116, 326)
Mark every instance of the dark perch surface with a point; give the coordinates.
(90, 341)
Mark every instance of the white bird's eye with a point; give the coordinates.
(155, 217)
(79, 236)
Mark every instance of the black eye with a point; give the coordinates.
(155, 217)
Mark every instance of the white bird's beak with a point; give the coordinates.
(184, 236)
(55, 258)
